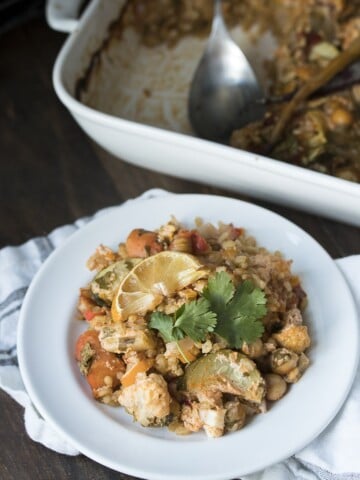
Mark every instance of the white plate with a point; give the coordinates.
(48, 330)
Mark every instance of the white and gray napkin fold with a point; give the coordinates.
(334, 455)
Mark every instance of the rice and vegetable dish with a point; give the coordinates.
(144, 69)
(193, 329)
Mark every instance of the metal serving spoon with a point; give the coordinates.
(225, 93)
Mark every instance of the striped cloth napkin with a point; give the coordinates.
(334, 455)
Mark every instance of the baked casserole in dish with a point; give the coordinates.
(124, 74)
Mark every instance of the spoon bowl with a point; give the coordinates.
(225, 93)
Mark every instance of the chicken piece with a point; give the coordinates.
(190, 416)
(275, 387)
(102, 258)
(213, 420)
(168, 365)
(293, 337)
(147, 400)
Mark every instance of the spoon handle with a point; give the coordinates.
(218, 24)
(217, 9)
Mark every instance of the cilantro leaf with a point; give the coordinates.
(165, 325)
(240, 329)
(234, 314)
(196, 319)
(219, 291)
(248, 301)
(239, 312)
(250, 329)
(193, 319)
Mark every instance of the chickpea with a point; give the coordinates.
(295, 374)
(253, 350)
(303, 362)
(235, 416)
(282, 361)
(341, 118)
(275, 387)
(270, 345)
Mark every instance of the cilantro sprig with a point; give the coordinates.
(233, 313)
(194, 319)
(239, 311)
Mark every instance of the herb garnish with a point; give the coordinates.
(233, 313)
(239, 311)
(194, 319)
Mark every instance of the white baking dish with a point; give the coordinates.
(182, 155)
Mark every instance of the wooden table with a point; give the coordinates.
(52, 174)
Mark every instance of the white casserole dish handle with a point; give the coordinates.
(63, 15)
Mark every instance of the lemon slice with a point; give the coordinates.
(154, 278)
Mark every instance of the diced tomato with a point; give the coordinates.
(89, 315)
(236, 232)
(199, 244)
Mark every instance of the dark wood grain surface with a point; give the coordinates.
(51, 174)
